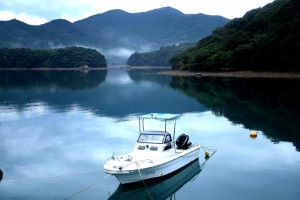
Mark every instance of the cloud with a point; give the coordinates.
(29, 19)
(119, 52)
(46, 10)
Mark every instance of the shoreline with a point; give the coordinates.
(234, 74)
(53, 69)
(80, 68)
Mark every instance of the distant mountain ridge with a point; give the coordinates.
(163, 26)
(113, 29)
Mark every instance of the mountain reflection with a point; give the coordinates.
(269, 105)
(150, 75)
(51, 79)
(114, 92)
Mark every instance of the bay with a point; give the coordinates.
(58, 128)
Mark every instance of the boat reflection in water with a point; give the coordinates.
(159, 188)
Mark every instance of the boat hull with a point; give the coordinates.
(160, 170)
(163, 187)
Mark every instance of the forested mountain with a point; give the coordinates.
(160, 57)
(158, 27)
(113, 29)
(264, 39)
(69, 57)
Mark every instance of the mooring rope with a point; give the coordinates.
(86, 188)
(54, 176)
(61, 175)
(143, 181)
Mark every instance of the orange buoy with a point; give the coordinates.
(253, 134)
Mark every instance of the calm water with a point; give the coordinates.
(58, 129)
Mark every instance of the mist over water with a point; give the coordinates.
(120, 55)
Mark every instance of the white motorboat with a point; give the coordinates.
(155, 153)
(159, 188)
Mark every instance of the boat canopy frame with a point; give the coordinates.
(161, 117)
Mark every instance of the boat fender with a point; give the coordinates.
(182, 140)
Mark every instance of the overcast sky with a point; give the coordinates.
(42, 11)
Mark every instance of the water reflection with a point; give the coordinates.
(160, 188)
(118, 96)
(63, 90)
(269, 105)
(149, 75)
(47, 131)
(73, 80)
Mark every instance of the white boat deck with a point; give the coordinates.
(154, 154)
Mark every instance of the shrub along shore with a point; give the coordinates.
(234, 74)
(170, 72)
(53, 69)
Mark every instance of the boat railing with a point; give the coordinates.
(159, 116)
(142, 161)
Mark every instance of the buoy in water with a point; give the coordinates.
(206, 153)
(253, 134)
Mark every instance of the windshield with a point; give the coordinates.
(151, 138)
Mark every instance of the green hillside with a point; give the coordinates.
(69, 57)
(265, 39)
(157, 58)
(112, 29)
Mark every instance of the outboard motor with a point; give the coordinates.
(182, 142)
